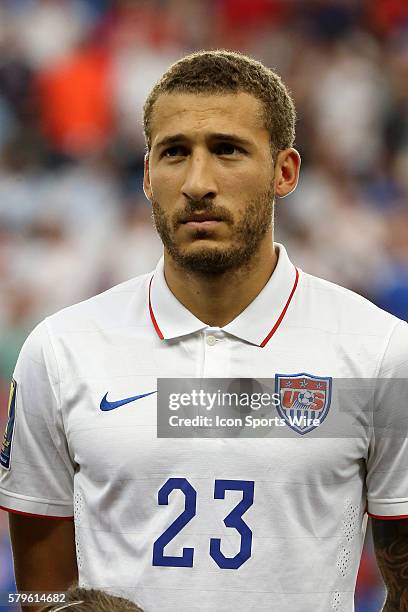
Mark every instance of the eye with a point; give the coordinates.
(174, 151)
(227, 148)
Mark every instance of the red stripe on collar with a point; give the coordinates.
(153, 318)
(282, 314)
(268, 337)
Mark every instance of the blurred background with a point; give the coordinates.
(73, 217)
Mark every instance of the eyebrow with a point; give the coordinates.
(177, 138)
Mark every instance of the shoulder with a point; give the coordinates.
(356, 327)
(343, 309)
(122, 306)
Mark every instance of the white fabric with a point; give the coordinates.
(106, 468)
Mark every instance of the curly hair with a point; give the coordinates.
(219, 72)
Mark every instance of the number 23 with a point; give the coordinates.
(234, 520)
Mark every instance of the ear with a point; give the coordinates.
(147, 188)
(287, 168)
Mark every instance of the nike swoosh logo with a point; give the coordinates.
(106, 405)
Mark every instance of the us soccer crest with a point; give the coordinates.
(304, 400)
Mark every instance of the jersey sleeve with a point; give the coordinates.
(36, 470)
(387, 464)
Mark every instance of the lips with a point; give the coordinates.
(206, 224)
(202, 222)
(201, 219)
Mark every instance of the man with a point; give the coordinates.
(274, 523)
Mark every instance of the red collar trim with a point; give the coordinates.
(153, 318)
(282, 314)
(268, 337)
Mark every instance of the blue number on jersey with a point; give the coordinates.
(186, 560)
(234, 520)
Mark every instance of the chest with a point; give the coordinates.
(110, 406)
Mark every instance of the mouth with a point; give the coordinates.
(201, 221)
(205, 224)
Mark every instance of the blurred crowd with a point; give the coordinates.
(73, 217)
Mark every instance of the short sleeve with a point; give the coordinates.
(36, 470)
(387, 464)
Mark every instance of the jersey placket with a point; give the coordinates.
(216, 363)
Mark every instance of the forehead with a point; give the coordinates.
(195, 113)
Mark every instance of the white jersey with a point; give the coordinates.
(204, 524)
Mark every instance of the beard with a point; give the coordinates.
(246, 235)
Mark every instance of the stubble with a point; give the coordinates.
(246, 235)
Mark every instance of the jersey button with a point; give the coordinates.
(211, 340)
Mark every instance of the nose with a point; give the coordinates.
(199, 181)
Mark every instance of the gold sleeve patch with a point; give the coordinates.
(5, 452)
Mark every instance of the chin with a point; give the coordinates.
(210, 260)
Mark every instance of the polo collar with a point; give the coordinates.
(256, 324)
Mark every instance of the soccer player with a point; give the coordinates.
(268, 523)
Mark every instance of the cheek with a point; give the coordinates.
(255, 180)
(243, 192)
(164, 186)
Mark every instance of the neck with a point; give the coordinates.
(218, 299)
